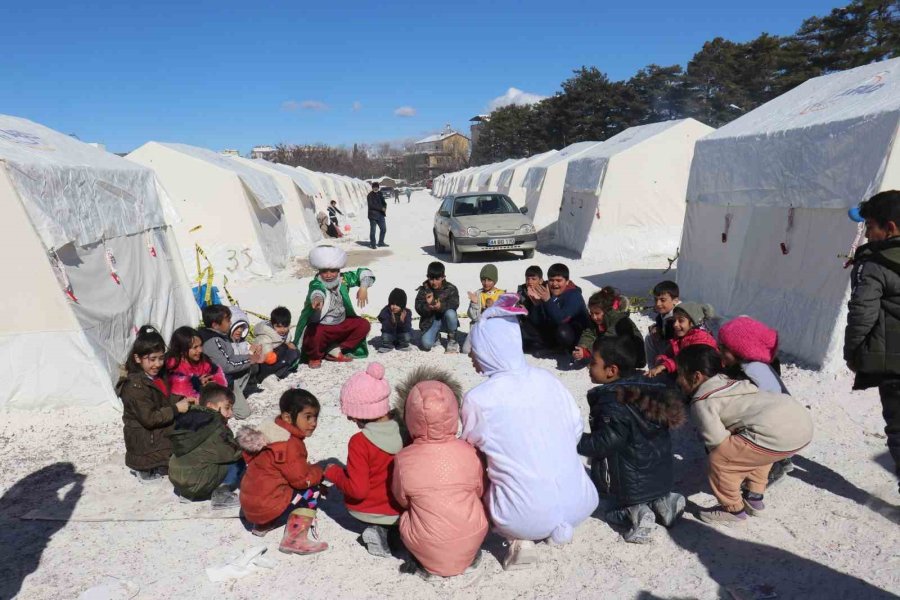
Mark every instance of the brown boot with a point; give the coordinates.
(294, 540)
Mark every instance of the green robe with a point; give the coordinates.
(349, 279)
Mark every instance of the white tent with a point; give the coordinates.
(233, 211)
(766, 222)
(299, 209)
(623, 200)
(487, 178)
(543, 185)
(88, 258)
(510, 180)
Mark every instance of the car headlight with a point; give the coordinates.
(527, 228)
(473, 231)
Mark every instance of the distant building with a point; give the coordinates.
(230, 152)
(477, 124)
(263, 152)
(441, 153)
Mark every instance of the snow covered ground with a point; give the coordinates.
(831, 530)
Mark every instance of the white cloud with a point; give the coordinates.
(405, 111)
(313, 105)
(292, 105)
(357, 106)
(514, 96)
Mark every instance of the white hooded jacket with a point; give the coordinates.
(528, 425)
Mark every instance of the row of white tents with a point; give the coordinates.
(96, 244)
(758, 208)
(621, 200)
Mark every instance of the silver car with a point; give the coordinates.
(482, 222)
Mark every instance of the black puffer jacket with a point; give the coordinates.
(872, 337)
(448, 296)
(637, 451)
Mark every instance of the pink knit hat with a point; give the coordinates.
(366, 395)
(749, 340)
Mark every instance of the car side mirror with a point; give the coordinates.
(524, 210)
(444, 213)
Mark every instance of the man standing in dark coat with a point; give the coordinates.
(377, 212)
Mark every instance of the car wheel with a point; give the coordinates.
(437, 245)
(455, 255)
(526, 254)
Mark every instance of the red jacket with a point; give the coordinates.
(276, 466)
(366, 480)
(676, 345)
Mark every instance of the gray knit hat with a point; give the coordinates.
(489, 271)
(696, 312)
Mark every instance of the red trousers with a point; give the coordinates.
(318, 338)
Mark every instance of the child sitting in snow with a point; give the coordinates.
(148, 407)
(688, 330)
(437, 301)
(240, 328)
(607, 308)
(396, 323)
(365, 399)
(280, 486)
(629, 443)
(538, 486)
(745, 430)
(206, 460)
(281, 356)
(187, 367)
(444, 522)
(749, 351)
(666, 298)
(485, 297)
(217, 345)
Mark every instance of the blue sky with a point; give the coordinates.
(235, 74)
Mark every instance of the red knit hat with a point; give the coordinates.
(366, 395)
(749, 340)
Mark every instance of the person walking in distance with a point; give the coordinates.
(377, 212)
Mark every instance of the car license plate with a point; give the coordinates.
(502, 242)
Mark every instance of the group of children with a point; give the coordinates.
(432, 471)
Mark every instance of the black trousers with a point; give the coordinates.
(890, 409)
(561, 337)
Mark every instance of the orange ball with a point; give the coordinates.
(271, 358)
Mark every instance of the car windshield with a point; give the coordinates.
(492, 204)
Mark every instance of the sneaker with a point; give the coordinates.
(146, 476)
(779, 470)
(375, 538)
(384, 349)
(668, 508)
(719, 516)
(182, 499)
(315, 364)
(522, 554)
(222, 497)
(452, 347)
(405, 348)
(644, 522)
(383, 245)
(754, 506)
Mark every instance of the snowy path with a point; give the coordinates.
(831, 530)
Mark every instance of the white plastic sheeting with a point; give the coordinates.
(766, 221)
(71, 310)
(72, 191)
(623, 200)
(510, 179)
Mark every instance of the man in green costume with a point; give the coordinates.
(332, 329)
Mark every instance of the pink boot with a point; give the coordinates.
(294, 540)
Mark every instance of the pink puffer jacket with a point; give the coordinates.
(438, 479)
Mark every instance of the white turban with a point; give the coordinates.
(327, 257)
